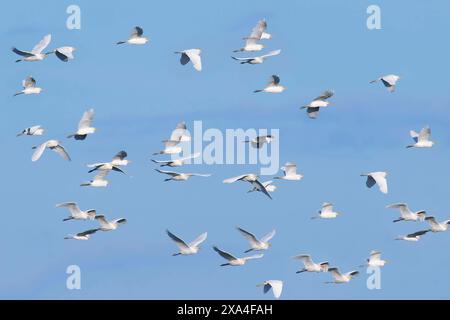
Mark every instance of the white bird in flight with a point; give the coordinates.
(406, 214)
(255, 243)
(275, 285)
(232, 260)
(177, 176)
(36, 53)
(136, 37)
(76, 213)
(251, 178)
(259, 59)
(65, 53)
(187, 248)
(378, 178)
(273, 86)
(84, 126)
(32, 131)
(338, 277)
(258, 33)
(437, 226)
(310, 266)
(259, 141)
(180, 133)
(170, 147)
(268, 185)
(326, 212)
(85, 235)
(421, 139)
(29, 87)
(290, 172)
(375, 260)
(191, 55)
(389, 81)
(176, 162)
(412, 237)
(99, 180)
(106, 225)
(54, 145)
(117, 161)
(312, 108)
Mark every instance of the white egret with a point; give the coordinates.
(259, 141)
(378, 178)
(36, 53)
(85, 235)
(258, 33)
(437, 226)
(338, 277)
(180, 133)
(268, 185)
(76, 213)
(275, 285)
(232, 260)
(290, 172)
(375, 260)
(259, 59)
(406, 214)
(170, 147)
(255, 243)
(99, 180)
(54, 145)
(326, 212)
(310, 266)
(187, 248)
(106, 225)
(413, 237)
(136, 37)
(191, 55)
(251, 178)
(117, 161)
(84, 126)
(421, 139)
(29, 87)
(65, 53)
(388, 81)
(312, 108)
(32, 131)
(273, 86)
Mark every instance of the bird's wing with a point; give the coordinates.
(161, 161)
(184, 59)
(42, 44)
(22, 53)
(277, 287)
(380, 178)
(120, 155)
(414, 135)
(192, 156)
(290, 169)
(102, 220)
(179, 131)
(65, 53)
(306, 259)
(39, 151)
(327, 208)
(171, 143)
(268, 236)
(375, 256)
(325, 95)
(180, 243)
(257, 32)
(29, 82)
(101, 175)
(272, 53)
(86, 119)
(242, 59)
(199, 174)
(255, 256)
(137, 32)
(72, 206)
(87, 232)
(390, 79)
(249, 236)
(59, 149)
(417, 234)
(224, 254)
(312, 112)
(432, 221)
(259, 186)
(194, 55)
(95, 165)
(234, 179)
(170, 173)
(424, 134)
(199, 240)
(274, 80)
(335, 273)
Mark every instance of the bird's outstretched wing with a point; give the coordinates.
(22, 53)
(198, 240)
(39, 151)
(29, 82)
(234, 179)
(424, 134)
(257, 32)
(86, 119)
(180, 243)
(120, 155)
(65, 53)
(194, 56)
(268, 236)
(325, 95)
(259, 186)
(170, 173)
(272, 53)
(248, 235)
(274, 80)
(59, 149)
(87, 232)
(42, 44)
(224, 254)
(137, 32)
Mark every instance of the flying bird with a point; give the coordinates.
(187, 248)
(259, 59)
(232, 260)
(54, 145)
(268, 185)
(252, 179)
(176, 162)
(375, 260)
(326, 212)
(106, 225)
(136, 37)
(406, 214)
(421, 139)
(32, 131)
(259, 141)
(338, 277)
(413, 237)
(310, 266)
(84, 126)
(258, 33)
(98, 181)
(65, 53)
(255, 243)
(273, 86)
(180, 133)
(170, 147)
(117, 161)
(275, 285)
(437, 226)
(36, 53)
(76, 213)
(378, 178)
(191, 55)
(176, 176)
(388, 81)
(29, 87)
(290, 172)
(312, 108)
(85, 235)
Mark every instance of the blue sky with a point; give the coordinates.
(140, 93)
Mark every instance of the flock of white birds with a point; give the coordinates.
(180, 134)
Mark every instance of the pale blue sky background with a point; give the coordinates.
(140, 93)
